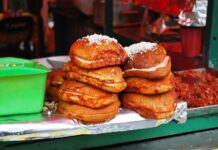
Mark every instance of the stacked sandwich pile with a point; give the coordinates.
(87, 87)
(92, 79)
(150, 82)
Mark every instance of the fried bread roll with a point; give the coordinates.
(144, 55)
(147, 86)
(151, 106)
(86, 95)
(156, 72)
(147, 60)
(109, 78)
(89, 115)
(96, 51)
(57, 78)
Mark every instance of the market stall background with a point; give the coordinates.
(206, 122)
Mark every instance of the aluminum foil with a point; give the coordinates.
(51, 124)
(197, 17)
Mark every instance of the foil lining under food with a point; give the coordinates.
(50, 125)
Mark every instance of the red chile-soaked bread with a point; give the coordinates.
(96, 51)
(89, 115)
(151, 87)
(108, 78)
(85, 95)
(158, 106)
(56, 79)
(147, 60)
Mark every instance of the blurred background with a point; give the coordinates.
(43, 28)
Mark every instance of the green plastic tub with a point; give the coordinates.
(22, 86)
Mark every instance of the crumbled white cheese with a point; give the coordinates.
(140, 48)
(98, 38)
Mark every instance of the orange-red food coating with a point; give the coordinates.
(199, 89)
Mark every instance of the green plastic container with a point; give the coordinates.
(22, 86)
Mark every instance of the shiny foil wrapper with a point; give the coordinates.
(51, 124)
(195, 18)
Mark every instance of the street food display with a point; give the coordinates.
(93, 79)
(101, 72)
(105, 88)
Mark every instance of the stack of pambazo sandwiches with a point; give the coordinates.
(93, 78)
(87, 87)
(150, 82)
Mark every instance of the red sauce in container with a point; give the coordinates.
(199, 89)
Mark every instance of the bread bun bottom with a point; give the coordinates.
(89, 115)
(148, 86)
(152, 107)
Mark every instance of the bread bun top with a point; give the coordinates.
(98, 47)
(144, 55)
